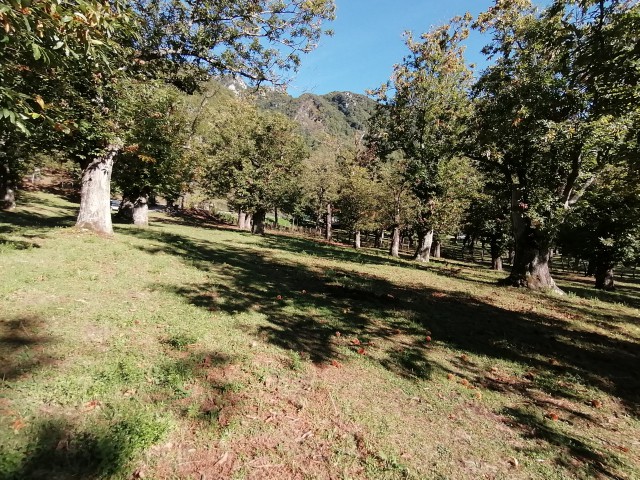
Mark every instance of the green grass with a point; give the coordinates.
(181, 352)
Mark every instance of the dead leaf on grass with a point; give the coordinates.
(18, 425)
(222, 460)
(92, 405)
(304, 436)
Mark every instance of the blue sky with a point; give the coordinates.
(368, 42)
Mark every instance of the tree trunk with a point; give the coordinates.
(329, 221)
(394, 249)
(7, 192)
(258, 221)
(377, 242)
(95, 193)
(423, 252)
(436, 249)
(141, 211)
(604, 276)
(241, 218)
(275, 217)
(247, 222)
(531, 263)
(496, 256)
(357, 243)
(496, 263)
(591, 268)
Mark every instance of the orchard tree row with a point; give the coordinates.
(538, 151)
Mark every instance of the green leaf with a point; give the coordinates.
(37, 52)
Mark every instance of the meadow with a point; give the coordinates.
(196, 351)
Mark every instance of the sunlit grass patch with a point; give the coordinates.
(214, 351)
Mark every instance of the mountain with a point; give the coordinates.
(339, 114)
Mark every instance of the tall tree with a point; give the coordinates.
(154, 159)
(187, 41)
(422, 112)
(44, 46)
(255, 159)
(605, 228)
(550, 117)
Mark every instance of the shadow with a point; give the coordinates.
(18, 219)
(626, 291)
(62, 451)
(324, 249)
(567, 449)
(305, 307)
(219, 400)
(8, 244)
(21, 348)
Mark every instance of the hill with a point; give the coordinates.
(339, 114)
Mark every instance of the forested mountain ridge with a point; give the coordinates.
(340, 114)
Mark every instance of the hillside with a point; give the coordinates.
(340, 114)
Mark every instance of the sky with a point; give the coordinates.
(368, 41)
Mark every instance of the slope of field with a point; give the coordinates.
(200, 352)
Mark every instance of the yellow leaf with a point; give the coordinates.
(40, 101)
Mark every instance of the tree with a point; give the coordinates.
(422, 112)
(255, 159)
(457, 185)
(322, 177)
(44, 45)
(260, 40)
(357, 199)
(183, 42)
(605, 228)
(154, 160)
(549, 117)
(487, 217)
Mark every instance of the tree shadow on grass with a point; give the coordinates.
(305, 307)
(21, 348)
(17, 220)
(584, 288)
(8, 244)
(62, 451)
(594, 463)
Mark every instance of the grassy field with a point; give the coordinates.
(183, 352)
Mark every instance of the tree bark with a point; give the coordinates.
(531, 263)
(436, 249)
(496, 256)
(95, 193)
(394, 249)
(329, 222)
(591, 268)
(275, 217)
(357, 243)
(258, 221)
(247, 222)
(7, 191)
(423, 253)
(377, 242)
(241, 218)
(496, 263)
(141, 211)
(604, 276)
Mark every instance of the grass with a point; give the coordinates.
(185, 352)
